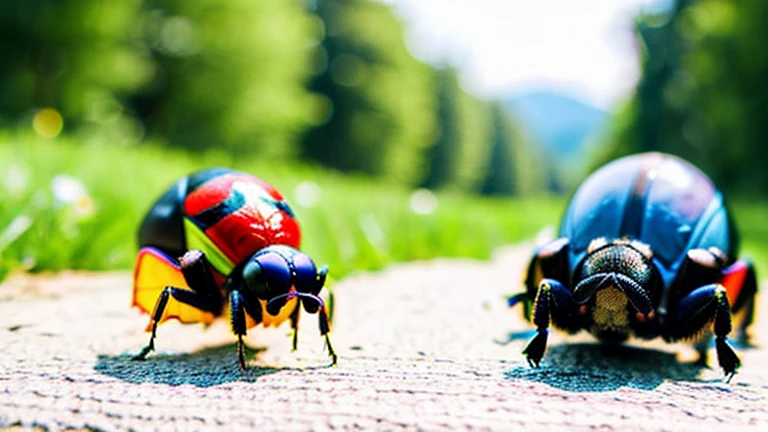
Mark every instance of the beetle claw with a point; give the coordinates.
(144, 353)
(535, 349)
(727, 358)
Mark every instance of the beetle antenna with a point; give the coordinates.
(588, 287)
(311, 302)
(634, 292)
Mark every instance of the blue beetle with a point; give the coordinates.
(646, 248)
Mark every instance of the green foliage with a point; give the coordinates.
(79, 56)
(444, 153)
(273, 79)
(728, 67)
(228, 74)
(703, 91)
(378, 113)
(79, 206)
(501, 178)
(476, 142)
(459, 156)
(195, 74)
(513, 169)
(750, 217)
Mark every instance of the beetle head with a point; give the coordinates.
(623, 265)
(279, 273)
(267, 275)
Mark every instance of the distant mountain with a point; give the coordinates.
(560, 124)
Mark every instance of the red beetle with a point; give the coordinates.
(237, 243)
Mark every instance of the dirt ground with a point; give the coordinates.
(422, 346)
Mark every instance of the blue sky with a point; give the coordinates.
(583, 48)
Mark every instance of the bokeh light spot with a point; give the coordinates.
(307, 193)
(423, 201)
(179, 36)
(48, 123)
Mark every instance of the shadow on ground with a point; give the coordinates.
(598, 368)
(205, 368)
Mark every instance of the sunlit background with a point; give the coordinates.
(399, 129)
(585, 49)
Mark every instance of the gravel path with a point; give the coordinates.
(422, 346)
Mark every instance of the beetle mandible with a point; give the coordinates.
(237, 241)
(646, 248)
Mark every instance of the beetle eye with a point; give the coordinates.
(273, 276)
(255, 280)
(306, 273)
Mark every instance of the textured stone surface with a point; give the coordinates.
(422, 346)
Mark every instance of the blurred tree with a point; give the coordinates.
(653, 120)
(197, 74)
(728, 68)
(513, 167)
(443, 155)
(378, 114)
(476, 142)
(703, 91)
(459, 156)
(500, 179)
(76, 56)
(227, 74)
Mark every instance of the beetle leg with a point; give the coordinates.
(185, 296)
(700, 267)
(549, 261)
(324, 313)
(197, 272)
(740, 281)
(312, 304)
(295, 325)
(325, 330)
(237, 306)
(554, 301)
(318, 306)
(322, 274)
(692, 314)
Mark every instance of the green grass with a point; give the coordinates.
(356, 224)
(751, 218)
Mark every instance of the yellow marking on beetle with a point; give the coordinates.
(610, 311)
(154, 271)
(197, 239)
(268, 320)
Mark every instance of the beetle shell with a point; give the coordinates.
(646, 249)
(229, 214)
(658, 199)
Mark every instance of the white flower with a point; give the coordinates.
(84, 206)
(69, 191)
